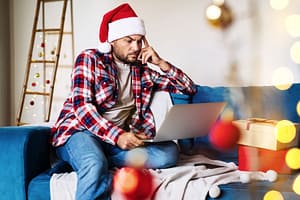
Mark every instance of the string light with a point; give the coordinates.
(292, 25)
(282, 78)
(295, 52)
(279, 4)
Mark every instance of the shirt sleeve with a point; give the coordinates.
(175, 80)
(83, 83)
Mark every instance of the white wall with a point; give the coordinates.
(178, 30)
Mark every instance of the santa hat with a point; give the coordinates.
(120, 22)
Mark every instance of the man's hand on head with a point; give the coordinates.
(148, 54)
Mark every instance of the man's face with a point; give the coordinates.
(127, 49)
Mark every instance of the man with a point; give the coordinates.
(108, 112)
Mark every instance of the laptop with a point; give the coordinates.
(188, 121)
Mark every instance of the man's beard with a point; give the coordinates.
(125, 60)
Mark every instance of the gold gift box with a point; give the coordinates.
(262, 133)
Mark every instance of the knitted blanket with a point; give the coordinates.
(191, 179)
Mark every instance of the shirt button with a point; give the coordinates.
(145, 89)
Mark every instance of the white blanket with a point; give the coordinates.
(190, 180)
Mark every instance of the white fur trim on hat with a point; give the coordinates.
(104, 47)
(125, 27)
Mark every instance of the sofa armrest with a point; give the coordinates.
(24, 153)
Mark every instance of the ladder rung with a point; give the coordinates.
(22, 123)
(43, 61)
(51, 0)
(54, 33)
(38, 93)
(48, 30)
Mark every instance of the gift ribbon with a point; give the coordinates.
(260, 120)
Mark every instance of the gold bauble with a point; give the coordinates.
(219, 16)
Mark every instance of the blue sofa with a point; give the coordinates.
(25, 156)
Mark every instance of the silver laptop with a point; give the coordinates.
(188, 121)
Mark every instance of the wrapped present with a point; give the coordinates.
(263, 133)
(258, 159)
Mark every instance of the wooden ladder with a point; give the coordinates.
(41, 60)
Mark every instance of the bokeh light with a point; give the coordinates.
(219, 2)
(282, 78)
(228, 114)
(224, 135)
(133, 183)
(292, 25)
(279, 4)
(219, 15)
(136, 157)
(295, 52)
(273, 195)
(298, 108)
(296, 185)
(213, 12)
(292, 158)
(128, 177)
(285, 131)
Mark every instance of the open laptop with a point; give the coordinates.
(188, 121)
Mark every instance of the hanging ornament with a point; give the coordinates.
(33, 84)
(41, 54)
(31, 103)
(37, 75)
(53, 50)
(219, 14)
(47, 81)
(43, 44)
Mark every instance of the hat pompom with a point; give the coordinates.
(104, 47)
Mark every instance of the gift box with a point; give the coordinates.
(262, 133)
(258, 159)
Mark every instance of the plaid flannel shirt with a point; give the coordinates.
(94, 90)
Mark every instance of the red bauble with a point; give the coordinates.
(224, 135)
(133, 183)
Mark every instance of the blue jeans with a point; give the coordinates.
(92, 158)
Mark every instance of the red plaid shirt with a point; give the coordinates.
(94, 90)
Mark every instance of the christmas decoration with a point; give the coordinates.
(219, 15)
(224, 135)
(31, 102)
(133, 183)
(117, 23)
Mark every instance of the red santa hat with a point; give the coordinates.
(120, 22)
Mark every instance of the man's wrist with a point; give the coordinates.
(164, 65)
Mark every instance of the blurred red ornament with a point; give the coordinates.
(43, 45)
(47, 81)
(224, 135)
(33, 84)
(133, 183)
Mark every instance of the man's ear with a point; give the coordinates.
(112, 43)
